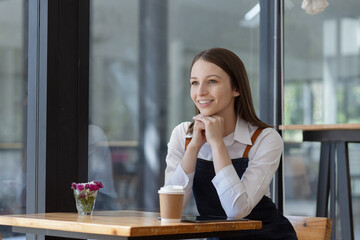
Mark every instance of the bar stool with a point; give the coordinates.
(334, 174)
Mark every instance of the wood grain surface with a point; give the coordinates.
(120, 223)
(311, 228)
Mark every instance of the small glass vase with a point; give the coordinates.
(85, 201)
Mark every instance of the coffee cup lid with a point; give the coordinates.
(172, 189)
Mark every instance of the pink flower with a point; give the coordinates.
(99, 184)
(92, 186)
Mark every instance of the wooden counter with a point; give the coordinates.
(119, 225)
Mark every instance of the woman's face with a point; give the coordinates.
(211, 89)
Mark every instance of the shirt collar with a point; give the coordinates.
(242, 133)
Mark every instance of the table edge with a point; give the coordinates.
(320, 127)
(130, 231)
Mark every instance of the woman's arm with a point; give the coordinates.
(239, 196)
(188, 162)
(181, 164)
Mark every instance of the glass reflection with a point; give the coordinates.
(114, 102)
(321, 86)
(13, 85)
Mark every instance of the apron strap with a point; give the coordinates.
(187, 141)
(253, 139)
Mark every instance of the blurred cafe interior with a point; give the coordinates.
(91, 90)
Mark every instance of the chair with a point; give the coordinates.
(311, 228)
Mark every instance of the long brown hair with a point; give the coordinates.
(234, 67)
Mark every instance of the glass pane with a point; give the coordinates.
(13, 85)
(322, 86)
(113, 124)
(322, 64)
(115, 65)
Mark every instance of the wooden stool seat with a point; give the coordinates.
(311, 228)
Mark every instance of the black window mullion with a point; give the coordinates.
(67, 101)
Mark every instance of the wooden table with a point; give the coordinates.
(334, 174)
(119, 225)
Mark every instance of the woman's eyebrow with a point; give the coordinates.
(208, 76)
(213, 75)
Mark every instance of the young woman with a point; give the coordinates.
(227, 156)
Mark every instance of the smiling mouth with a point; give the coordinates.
(205, 101)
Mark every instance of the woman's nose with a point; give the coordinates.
(202, 89)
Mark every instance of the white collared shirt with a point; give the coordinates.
(237, 196)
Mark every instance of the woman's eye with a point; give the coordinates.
(194, 83)
(212, 81)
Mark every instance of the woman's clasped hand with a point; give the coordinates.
(208, 129)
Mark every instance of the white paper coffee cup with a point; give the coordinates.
(171, 202)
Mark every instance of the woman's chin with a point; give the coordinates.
(207, 113)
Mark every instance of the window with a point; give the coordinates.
(321, 86)
(129, 70)
(13, 106)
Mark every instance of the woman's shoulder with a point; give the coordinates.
(270, 130)
(181, 129)
(271, 136)
(268, 133)
(268, 142)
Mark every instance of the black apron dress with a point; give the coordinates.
(275, 225)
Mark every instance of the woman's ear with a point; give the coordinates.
(235, 92)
